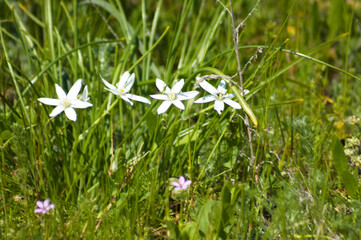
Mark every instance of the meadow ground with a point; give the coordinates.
(132, 151)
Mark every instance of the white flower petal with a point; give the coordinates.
(80, 104)
(138, 98)
(60, 92)
(84, 96)
(206, 99)
(129, 83)
(74, 90)
(40, 204)
(219, 106)
(56, 111)
(178, 104)
(125, 98)
(187, 95)
(164, 107)
(231, 95)
(110, 87)
(38, 210)
(208, 87)
(167, 90)
(49, 101)
(46, 203)
(181, 180)
(159, 97)
(186, 184)
(175, 184)
(177, 87)
(114, 91)
(70, 113)
(222, 87)
(123, 80)
(49, 207)
(160, 84)
(232, 103)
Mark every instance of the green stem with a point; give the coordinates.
(17, 89)
(96, 122)
(75, 14)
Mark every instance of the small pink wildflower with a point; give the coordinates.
(182, 184)
(44, 207)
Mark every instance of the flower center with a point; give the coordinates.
(172, 96)
(66, 103)
(122, 91)
(220, 96)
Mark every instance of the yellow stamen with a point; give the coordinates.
(66, 103)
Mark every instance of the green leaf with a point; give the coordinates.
(5, 135)
(335, 17)
(339, 157)
(189, 231)
(173, 230)
(341, 164)
(204, 223)
(350, 183)
(151, 121)
(185, 139)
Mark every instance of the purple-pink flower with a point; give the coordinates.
(44, 207)
(182, 184)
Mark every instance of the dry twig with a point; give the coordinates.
(235, 33)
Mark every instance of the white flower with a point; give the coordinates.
(84, 97)
(66, 102)
(182, 184)
(219, 96)
(44, 207)
(123, 87)
(172, 96)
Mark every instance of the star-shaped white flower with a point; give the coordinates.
(44, 207)
(66, 102)
(182, 184)
(123, 87)
(172, 96)
(219, 96)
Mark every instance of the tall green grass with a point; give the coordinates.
(109, 172)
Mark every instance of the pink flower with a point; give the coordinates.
(182, 184)
(44, 207)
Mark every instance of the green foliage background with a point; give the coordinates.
(109, 172)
